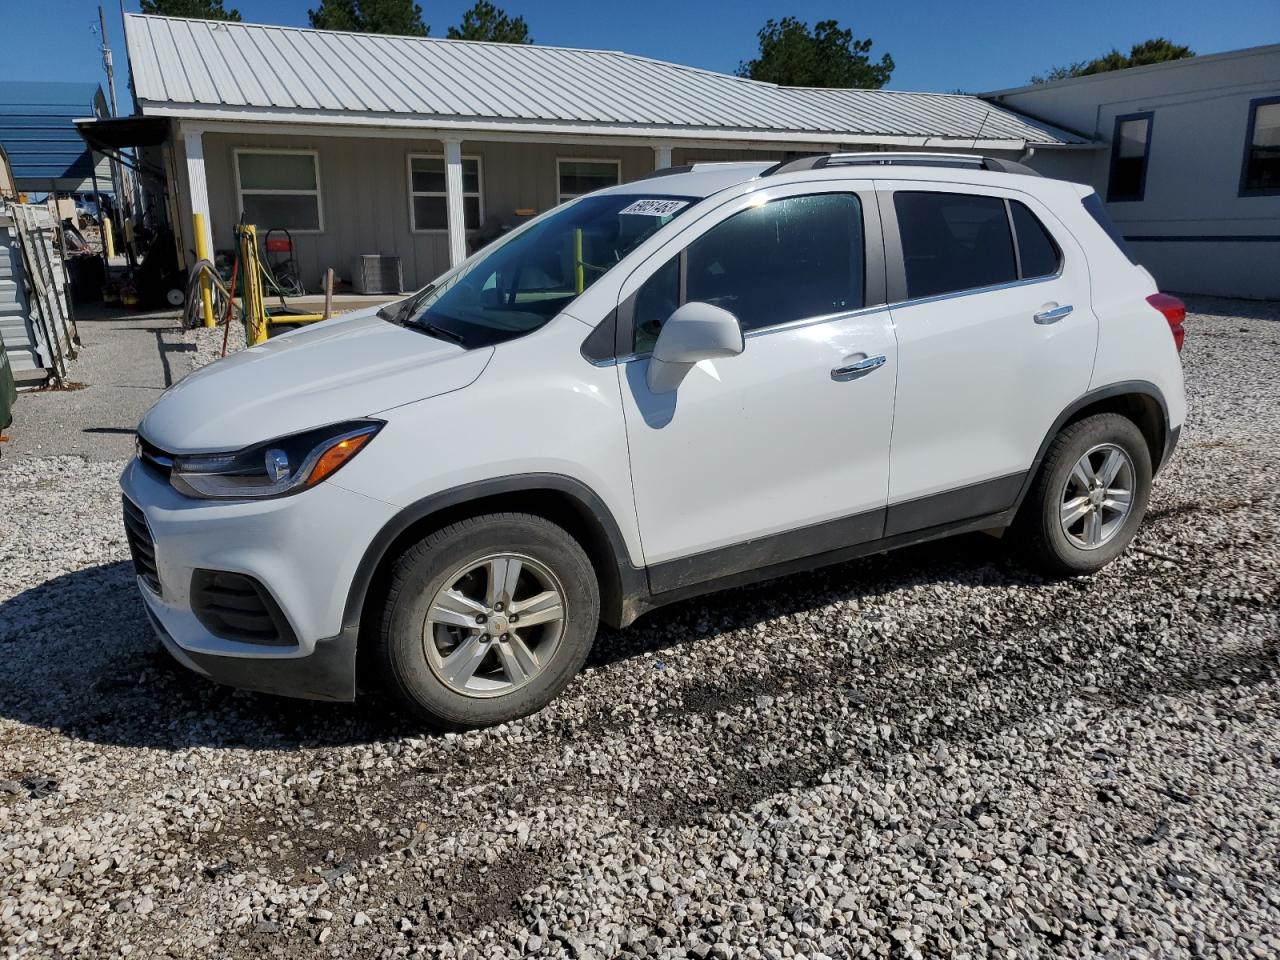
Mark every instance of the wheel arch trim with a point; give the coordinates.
(1120, 389)
(629, 579)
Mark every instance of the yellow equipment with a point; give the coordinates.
(207, 292)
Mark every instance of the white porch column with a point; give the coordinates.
(453, 201)
(193, 141)
(661, 156)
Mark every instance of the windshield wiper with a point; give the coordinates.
(407, 306)
(440, 333)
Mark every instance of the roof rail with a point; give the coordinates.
(694, 168)
(969, 161)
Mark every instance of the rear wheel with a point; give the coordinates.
(1089, 497)
(488, 620)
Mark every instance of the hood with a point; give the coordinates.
(352, 366)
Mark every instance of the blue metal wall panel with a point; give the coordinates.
(37, 132)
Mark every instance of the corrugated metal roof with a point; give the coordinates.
(195, 64)
(37, 132)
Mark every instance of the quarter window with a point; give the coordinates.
(1129, 149)
(791, 259)
(576, 177)
(953, 242)
(1038, 255)
(1261, 174)
(428, 196)
(280, 189)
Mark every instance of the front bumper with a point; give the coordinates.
(329, 673)
(304, 550)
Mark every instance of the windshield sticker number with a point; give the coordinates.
(654, 208)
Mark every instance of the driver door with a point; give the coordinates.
(782, 451)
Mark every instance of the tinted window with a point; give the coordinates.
(1262, 156)
(953, 241)
(790, 259)
(1129, 157)
(656, 301)
(1038, 255)
(1093, 204)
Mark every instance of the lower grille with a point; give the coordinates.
(141, 547)
(236, 607)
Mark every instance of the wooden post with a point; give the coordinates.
(328, 293)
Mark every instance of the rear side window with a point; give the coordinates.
(787, 260)
(1038, 255)
(953, 242)
(1093, 204)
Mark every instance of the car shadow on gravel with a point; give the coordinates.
(973, 559)
(82, 658)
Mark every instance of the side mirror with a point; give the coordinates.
(694, 332)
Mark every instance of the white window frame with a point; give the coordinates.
(315, 164)
(478, 193)
(562, 197)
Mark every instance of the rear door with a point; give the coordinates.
(996, 337)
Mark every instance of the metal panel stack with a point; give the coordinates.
(36, 325)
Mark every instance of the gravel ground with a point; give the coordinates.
(931, 753)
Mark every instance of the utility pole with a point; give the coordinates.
(106, 62)
(117, 179)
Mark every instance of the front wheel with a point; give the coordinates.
(487, 620)
(1089, 497)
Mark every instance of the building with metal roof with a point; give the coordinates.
(418, 148)
(38, 134)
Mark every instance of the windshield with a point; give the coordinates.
(529, 278)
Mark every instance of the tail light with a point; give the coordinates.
(1175, 311)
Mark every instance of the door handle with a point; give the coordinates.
(1052, 315)
(860, 369)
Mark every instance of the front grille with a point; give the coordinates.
(236, 607)
(152, 456)
(141, 547)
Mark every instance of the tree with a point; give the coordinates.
(828, 57)
(484, 21)
(1157, 50)
(401, 17)
(194, 9)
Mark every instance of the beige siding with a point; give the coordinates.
(364, 188)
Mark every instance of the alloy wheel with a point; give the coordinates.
(494, 625)
(1097, 496)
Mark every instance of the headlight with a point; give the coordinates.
(275, 468)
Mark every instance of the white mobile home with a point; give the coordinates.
(1191, 171)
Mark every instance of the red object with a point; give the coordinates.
(278, 245)
(1175, 311)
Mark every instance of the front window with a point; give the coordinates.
(575, 178)
(1261, 175)
(790, 259)
(280, 188)
(427, 193)
(528, 278)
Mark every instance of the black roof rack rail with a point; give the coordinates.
(668, 171)
(968, 161)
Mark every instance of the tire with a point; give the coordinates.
(1072, 550)
(504, 670)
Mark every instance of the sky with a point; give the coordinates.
(938, 45)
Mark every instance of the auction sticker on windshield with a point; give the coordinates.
(654, 208)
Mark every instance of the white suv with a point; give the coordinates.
(714, 375)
